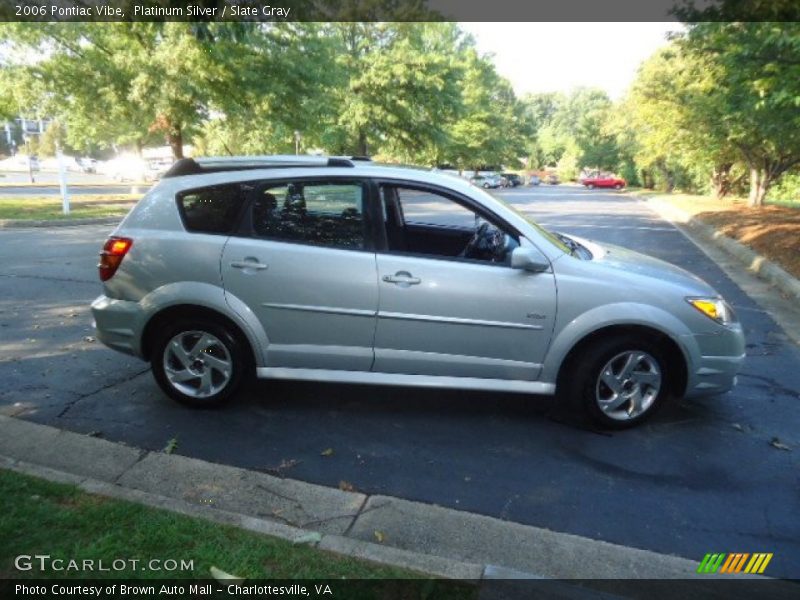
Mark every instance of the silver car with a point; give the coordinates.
(340, 270)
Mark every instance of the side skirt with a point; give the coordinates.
(429, 381)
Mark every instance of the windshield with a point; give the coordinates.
(553, 238)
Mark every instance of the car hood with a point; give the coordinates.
(641, 265)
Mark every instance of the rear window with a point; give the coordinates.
(211, 210)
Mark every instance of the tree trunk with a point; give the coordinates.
(759, 184)
(362, 149)
(175, 141)
(721, 180)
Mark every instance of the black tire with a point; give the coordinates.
(590, 186)
(226, 347)
(581, 390)
(618, 186)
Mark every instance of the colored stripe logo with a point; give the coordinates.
(735, 562)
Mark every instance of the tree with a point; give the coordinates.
(573, 131)
(123, 83)
(756, 66)
(539, 110)
(397, 86)
(673, 114)
(491, 128)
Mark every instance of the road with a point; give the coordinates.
(701, 477)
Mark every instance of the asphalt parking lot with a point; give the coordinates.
(703, 476)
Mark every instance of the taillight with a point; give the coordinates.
(113, 252)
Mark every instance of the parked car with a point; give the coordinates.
(328, 269)
(552, 179)
(534, 180)
(126, 168)
(157, 167)
(86, 165)
(487, 181)
(20, 162)
(603, 180)
(512, 179)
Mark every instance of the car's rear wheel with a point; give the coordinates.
(199, 363)
(618, 382)
(618, 186)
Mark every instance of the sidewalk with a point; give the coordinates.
(437, 541)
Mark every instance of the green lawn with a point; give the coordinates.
(41, 517)
(81, 206)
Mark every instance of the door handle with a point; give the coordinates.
(402, 278)
(249, 263)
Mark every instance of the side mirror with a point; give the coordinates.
(529, 259)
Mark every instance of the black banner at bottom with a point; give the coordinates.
(401, 589)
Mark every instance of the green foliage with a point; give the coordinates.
(52, 138)
(787, 190)
(573, 132)
(490, 128)
(400, 87)
(755, 94)
(414, 92)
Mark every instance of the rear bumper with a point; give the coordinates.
(118, 324)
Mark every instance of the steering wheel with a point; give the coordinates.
(487, 243)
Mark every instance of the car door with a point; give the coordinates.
(304, 263)
(442, 313)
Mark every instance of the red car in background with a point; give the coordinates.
(603, 180)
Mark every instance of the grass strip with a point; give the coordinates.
(81, 206)
(46, 518)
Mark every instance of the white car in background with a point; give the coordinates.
(134, 168)
(20, 162)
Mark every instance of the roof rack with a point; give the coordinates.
(216, 164)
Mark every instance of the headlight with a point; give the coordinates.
(714, 308)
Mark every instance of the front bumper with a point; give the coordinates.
(118, 324)
(715, 375)
(719, 358)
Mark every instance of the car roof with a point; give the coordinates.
(359, 169)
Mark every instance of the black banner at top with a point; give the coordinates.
(599, 11)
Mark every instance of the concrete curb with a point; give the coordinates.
(756, 263)
(25, 223)
(433, 540)
(429, 565)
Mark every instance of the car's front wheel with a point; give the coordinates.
(618, 186)
(590, 186)
(199, 363)
(618, 382)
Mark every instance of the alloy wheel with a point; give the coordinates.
(197, 364)
(628, 385)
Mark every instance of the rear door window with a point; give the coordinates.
(314, 213)
(213, 209)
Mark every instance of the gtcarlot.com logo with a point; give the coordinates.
(44, 562)
(735, 563)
